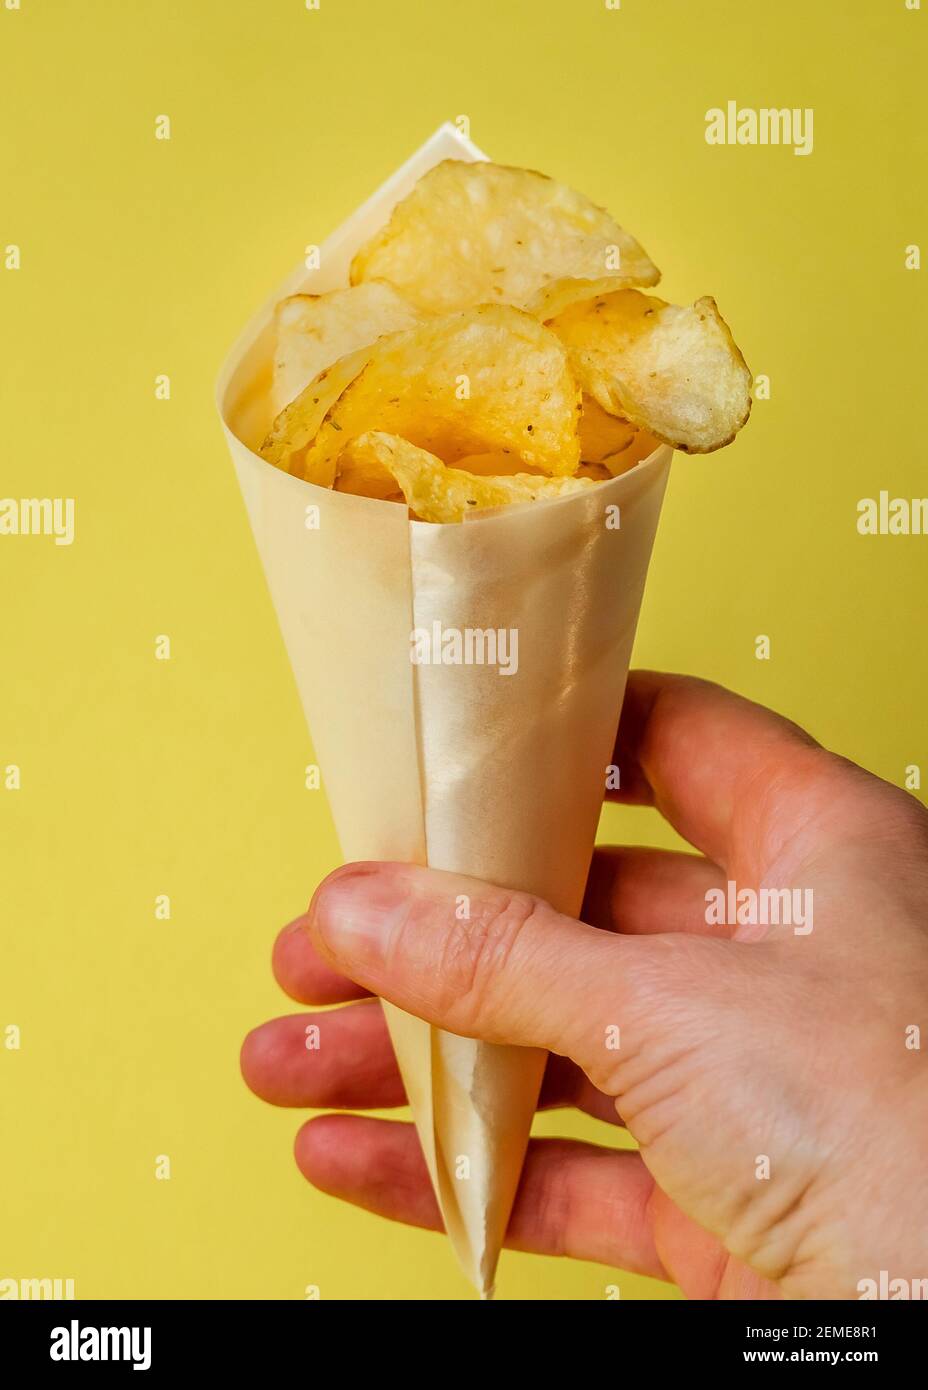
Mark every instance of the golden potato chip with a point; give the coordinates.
(296, 427)
(554, 298)
(488, 380)
(495, 465)
(674, 371)
(597, 471)
(642, 447)
(435, 492)
(484, 233)
(315, 330)
(362, 472)
(602, 434)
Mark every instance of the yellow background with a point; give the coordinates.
(185, 777)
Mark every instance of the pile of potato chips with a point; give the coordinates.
(495, 347)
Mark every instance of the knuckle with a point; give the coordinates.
(476, 956)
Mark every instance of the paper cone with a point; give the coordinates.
(459, 766)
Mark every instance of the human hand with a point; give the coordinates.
(738, 1042)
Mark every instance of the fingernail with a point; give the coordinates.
(355, 909)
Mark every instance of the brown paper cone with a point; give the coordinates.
(495, 770)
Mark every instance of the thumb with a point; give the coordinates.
(493, 964)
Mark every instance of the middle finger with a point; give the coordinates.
(343, 1059)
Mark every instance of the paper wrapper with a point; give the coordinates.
(458, 766)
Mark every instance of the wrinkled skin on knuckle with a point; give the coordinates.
(653, 1012)
(475, 956)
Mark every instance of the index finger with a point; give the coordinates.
(304, 975)
(708, 759)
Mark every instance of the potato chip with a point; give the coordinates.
(674, 371)
(641, 447)
(363, 473)
(598, 472)
(315, 330)
(559, 295)
(435, 492)
(495, 465)
(484, 233)
(488, 380)
(602, 434)
(296, 427)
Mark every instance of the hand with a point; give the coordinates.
(744, 1049)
